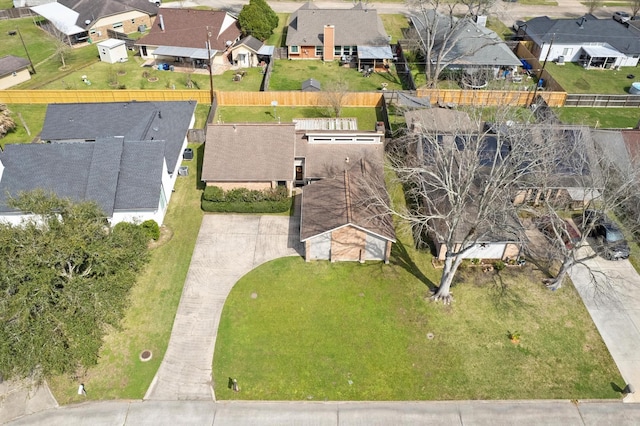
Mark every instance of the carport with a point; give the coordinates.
(600, 56)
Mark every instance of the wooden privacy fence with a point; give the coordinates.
(351, 99)
(491, 97)
(604, 101)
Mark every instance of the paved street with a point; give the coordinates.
(228, 246)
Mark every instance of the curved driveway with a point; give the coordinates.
(228, 246)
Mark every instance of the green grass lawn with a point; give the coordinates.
(38, 42)
(33, 116)
(360, 332)
(613, 118)
(367, 117)
(576, 79)
(394, 24)
(279, 36)
(289, 75)
(153, 304)
(6, 4)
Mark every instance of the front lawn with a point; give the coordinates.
(576, 79)
(289, 75)
(153, 303)
(349, 331)
(367, 117)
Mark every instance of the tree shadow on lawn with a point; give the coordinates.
(401, 257)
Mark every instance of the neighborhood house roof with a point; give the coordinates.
(340, 200)
(10, 64)
(250, 42)
(584, 31)
(602, 51)
(473, 44)
(191, 28)
(375, 52)
(117, 174)
(358, 26)
(185, 52)
(135, 121)
(63, 18)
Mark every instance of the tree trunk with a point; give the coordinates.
(443, 292)
(556, 283)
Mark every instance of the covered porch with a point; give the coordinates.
(600, 57)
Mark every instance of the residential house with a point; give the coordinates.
(250, 52)
(592, 42)
(326, 153)
(13, 70)
(465, 45)
(123, 155)
(353, 36)
(91, 20)
(338, 223)
(190, 36)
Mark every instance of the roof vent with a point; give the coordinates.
(582, 21)
(161, 22)
(87, 22)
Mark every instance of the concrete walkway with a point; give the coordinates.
(490, 413)
(228, 246)
(611, 292)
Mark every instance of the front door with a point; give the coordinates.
(299, 173)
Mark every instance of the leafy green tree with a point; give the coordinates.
(64, 279)
(257, 19)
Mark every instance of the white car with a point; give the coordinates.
(621, 17)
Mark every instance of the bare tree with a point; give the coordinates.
(592, 5)
(635, 7)
(459, 176)
(335, 95)
(445, 38)
(58, 31)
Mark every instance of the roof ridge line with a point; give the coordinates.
(347, 191)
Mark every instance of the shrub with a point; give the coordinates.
(151, 228)
(499, 265)
(213, 193)
(243, 200)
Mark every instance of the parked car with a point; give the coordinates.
(569, 233)
(611, 242)
(621, 17)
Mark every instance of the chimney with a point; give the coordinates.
(329, 42)
(161, 22)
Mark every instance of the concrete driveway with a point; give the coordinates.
(611, 292)
(228, 246)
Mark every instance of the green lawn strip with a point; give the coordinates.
(499, 28)
(289, 75)
(202, 112)
(6, 4)
(366, 116)
(153, 305)
(369, 324)
(394, 24)
(576, 79)
(599, 117)
(279, 36)
(33, 116)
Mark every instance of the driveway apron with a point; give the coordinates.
(227, 247)
(611, 292)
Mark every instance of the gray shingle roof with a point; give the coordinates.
(589, 30)
(341, 200)
(353, 27)
(116, 174)
(162, 121)
(249, 41)
(10, 64)
(92, 10)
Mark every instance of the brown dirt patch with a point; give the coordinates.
(166, 234)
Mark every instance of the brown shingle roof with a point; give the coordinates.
(93, 10)
(10, 63)
(189, 28)
(249, 152)
(341, 200)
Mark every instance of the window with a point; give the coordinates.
(294, 49)
(337, 50)
(118, 25)
(567, 51)
(133, 21)
(319, 51)
(92, 31)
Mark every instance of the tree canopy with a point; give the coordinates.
(6, 121)
(258, 19)
(64, 279)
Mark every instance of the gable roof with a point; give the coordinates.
(588, 29)
(353, 27)
(190, 28)
(70, 16)
(135, 121)
(250, 42)
(473, 44)
(341, 200)
(10, 64)
(116, 174)
(249, 152)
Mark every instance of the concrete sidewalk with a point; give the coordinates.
(228, 246)
(611, 292)
(490, 413)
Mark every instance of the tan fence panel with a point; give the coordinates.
(73, 96)
(352, 99)
(490, 97)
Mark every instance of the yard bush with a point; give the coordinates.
(152, 229)
(242, 200)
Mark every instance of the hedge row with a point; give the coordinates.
(241, 200)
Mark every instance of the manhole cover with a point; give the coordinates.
(145, 355)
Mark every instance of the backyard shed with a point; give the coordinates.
(311, 85)
(112, 51)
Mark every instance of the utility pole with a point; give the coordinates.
(544, 64)
(210, 67)
(33, 70)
